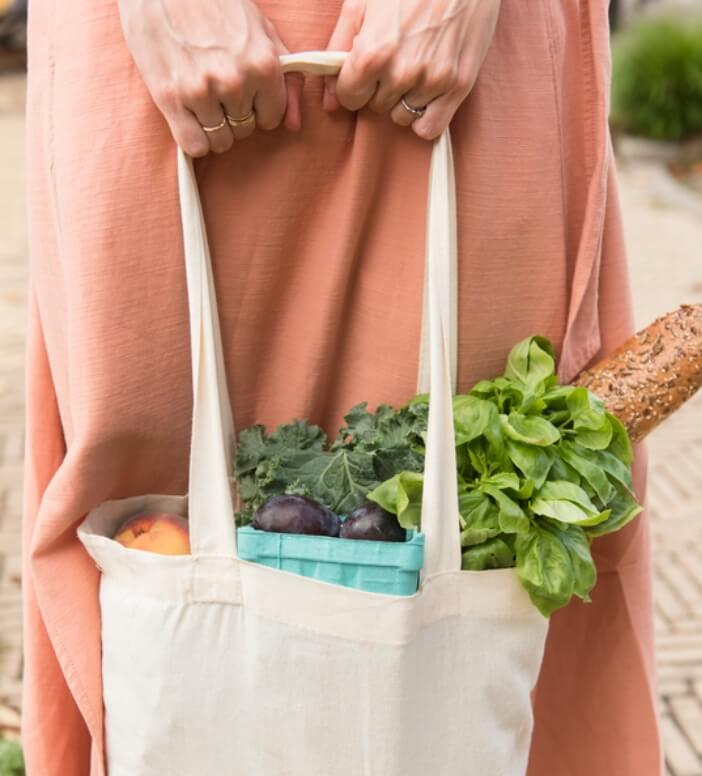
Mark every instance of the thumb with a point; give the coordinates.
(347, 27)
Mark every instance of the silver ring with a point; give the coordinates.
(416, 112)
(221, 125)
(240, 122)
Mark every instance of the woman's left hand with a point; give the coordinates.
(428, 52)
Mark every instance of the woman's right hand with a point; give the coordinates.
(202, 60)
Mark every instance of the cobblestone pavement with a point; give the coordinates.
(665, 246)
(666, 249)
(13, 276)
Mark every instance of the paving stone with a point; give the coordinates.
(671, 643)
(671, 687)
(675, 474)
(13, 566)
(667, 598)
(11, 692)
(660, 622)
(692, 562)
(10, 660)
(688, 714)
(682, 581)
(680, 756)
(13, 446)
(9, 719)
(689, 626)
(686, 671)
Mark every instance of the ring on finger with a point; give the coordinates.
(242, 121)
(415, 112)
(216, 127)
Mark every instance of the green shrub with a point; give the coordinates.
(11, 759)
(657, 80)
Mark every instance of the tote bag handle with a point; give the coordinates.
(210, 502)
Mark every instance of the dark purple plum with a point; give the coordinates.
(373, 523)
(296, 515)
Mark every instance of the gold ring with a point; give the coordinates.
(244, 121)
(221, 125)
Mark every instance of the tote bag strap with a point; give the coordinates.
(210, 501)
(437, 367)
(210, 505)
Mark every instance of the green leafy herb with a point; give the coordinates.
(492, 554)
(402, 496)
(530, 429)
(545, 569)
(480, 518)
(542, 470)
(296, 458)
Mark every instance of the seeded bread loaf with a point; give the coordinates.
(653, 373)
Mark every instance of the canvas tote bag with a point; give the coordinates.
(213, 666)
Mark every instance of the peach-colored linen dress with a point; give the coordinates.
(317, 242)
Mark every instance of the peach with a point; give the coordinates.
(162, 532)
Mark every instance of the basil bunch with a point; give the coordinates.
(542, 470)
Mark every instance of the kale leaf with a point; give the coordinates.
(296, 458)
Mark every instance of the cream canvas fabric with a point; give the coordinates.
(212, 665)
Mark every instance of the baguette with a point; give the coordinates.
(652, 374)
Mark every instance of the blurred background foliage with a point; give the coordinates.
(11, 759)
(657, 79)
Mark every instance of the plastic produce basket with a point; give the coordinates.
(376, 567)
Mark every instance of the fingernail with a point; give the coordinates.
(422, 131)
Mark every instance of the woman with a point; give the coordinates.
(314, 200)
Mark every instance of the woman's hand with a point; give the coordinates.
(428, 52)
(204, 61)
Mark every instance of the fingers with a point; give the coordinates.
(406, 57)
(404, 117)
(438, 114)
(187, 132)
(389, 93)
(435, 92)
(380, 79)
(211, 113)
(187, 117)
(457, 85)
(293, 84)
(237, 102)
(418, 84)
(210, 117)
(270, 98)
(347, 27)
(359, 78)
(241, 123)
(419, 99)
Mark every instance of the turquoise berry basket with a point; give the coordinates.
(376, 567)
